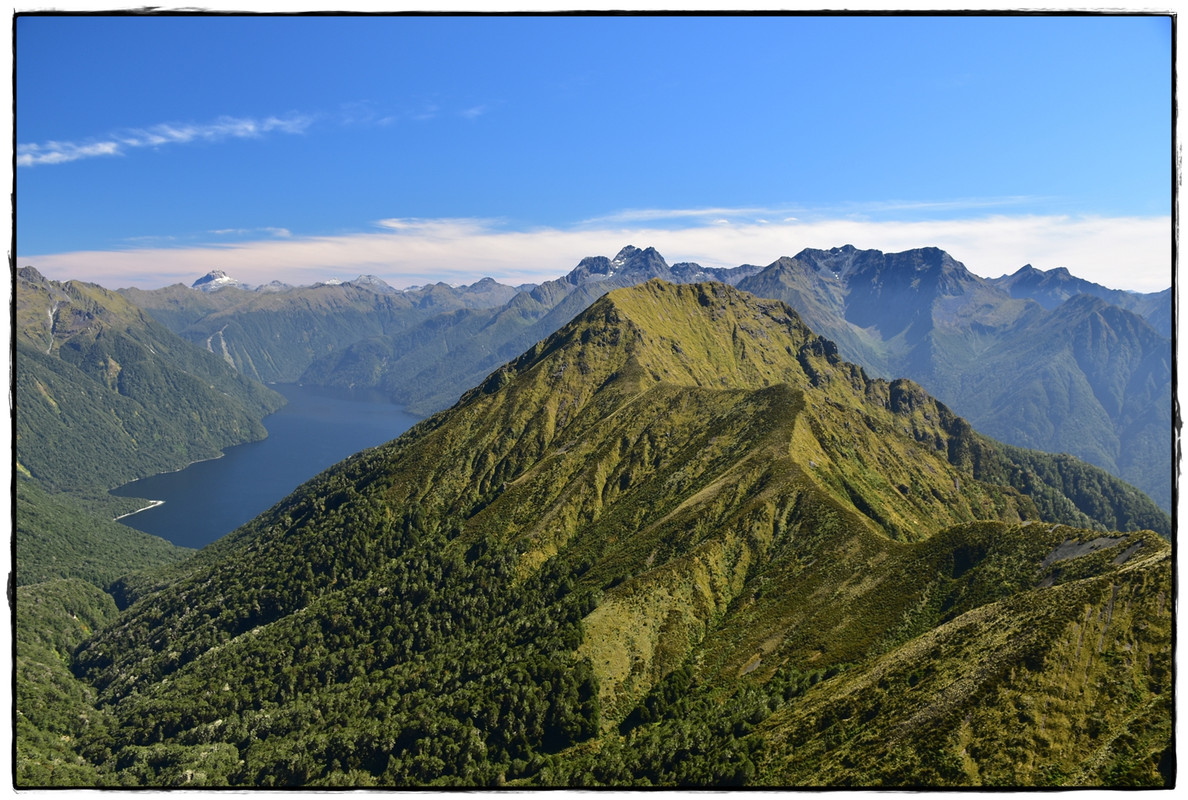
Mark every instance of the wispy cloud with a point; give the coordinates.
(441, 227)
(641, 215)
(118, 142)
(898, 209)
(426, 113)
(364, 113)
(279, 232)
(1120, 252)
(151, 239)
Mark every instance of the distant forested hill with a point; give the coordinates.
(106, 394)
(681, 542)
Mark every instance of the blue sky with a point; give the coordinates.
(152, 149)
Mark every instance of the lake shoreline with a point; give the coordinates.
(211, 497)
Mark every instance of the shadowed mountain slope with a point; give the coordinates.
(628, 557)
(1052, 287)
(1071, 373)
(106, 394)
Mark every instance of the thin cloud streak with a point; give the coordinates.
(656, 214)
(1125, 253)
(856, 211)
(280, 232)
(54, 152)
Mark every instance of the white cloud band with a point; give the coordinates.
(1119, 252)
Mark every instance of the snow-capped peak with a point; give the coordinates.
(213, 280)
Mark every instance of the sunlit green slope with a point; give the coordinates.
(646, 551)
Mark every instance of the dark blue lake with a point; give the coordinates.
(209, 499)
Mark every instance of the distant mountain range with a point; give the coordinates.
(679, 542)
(1041, 360)
(1052, 287)
(426, 367)
(1085, 375)
(274, 332)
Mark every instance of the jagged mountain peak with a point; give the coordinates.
(647, 262)
(28, 273)
(273, 286)
(1050, 288)
(1032, 271)
(845, 259)
(892, 293)
(624, 254)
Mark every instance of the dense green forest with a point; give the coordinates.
(681, 542)
(59, 538)
(103, 394)
(53, 708)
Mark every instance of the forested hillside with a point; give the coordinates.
(59, 536)
(106, 394)
(679, 542)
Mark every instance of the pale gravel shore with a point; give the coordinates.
(153, 504)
